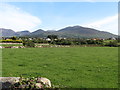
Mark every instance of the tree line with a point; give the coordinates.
(54, 40)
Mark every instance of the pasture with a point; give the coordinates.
(11, 44)
(74, 67)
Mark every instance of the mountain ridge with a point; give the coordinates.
(67, 32)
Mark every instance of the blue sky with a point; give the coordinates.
(56, 15)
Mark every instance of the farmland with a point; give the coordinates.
(76, 67)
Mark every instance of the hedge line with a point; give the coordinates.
(11, 41)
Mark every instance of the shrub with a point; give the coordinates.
(28, 43)
(11, 41)
(112, 44)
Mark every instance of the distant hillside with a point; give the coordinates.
(22, 33)
(10, 32)
(68, 32)
(7, 32)
(83, 32)
(37, 33)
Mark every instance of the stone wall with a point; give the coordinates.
(6, 82)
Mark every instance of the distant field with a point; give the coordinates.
(76, 67)
(7, 45)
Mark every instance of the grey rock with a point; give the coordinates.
(45, 81)
(6, 82)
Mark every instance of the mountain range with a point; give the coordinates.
(67, 32)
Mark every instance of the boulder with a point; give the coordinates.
(44, 81)
(6, 82)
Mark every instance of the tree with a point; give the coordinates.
(13, 38)
(52, 37)
(28, 43)
(112, 44)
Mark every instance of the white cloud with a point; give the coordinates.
(12, 17)
(109, 24)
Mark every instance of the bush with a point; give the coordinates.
(112, 44)
(13, 38)
(11, 41)
(28, 44)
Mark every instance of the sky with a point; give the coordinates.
(31, 16)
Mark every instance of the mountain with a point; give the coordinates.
(22, 33)
(84, 32)
(7, 32)
(37, 33)
(10, 32)
(68, 32)
(74, 32)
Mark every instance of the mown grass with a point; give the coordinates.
(76, 67)
(10, 45)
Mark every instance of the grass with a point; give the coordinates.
(76, 67)
(9, 45)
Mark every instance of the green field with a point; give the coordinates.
(10, 45)
(76, 67)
